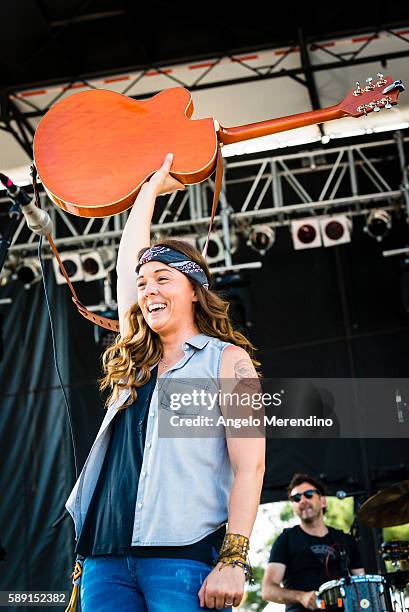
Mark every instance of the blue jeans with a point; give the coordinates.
(122, 584)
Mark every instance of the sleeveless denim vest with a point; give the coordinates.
(185, 482)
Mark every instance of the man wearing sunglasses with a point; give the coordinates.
(307, 555)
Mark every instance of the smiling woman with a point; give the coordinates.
(172, 303)
(136, 490)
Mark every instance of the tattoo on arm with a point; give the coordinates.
(244, 372)
(242, 369)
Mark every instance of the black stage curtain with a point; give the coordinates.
(36, 451)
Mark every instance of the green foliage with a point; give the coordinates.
(400, 532)
(286, 513)
(253, 599)
(340, 513)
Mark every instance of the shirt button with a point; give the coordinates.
(148, 444)
(139, 505)
(153, 414)
(143, 474)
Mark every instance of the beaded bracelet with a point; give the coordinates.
(234, 551)
(248, 571)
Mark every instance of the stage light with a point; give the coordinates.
(92, 265)
(261, 238)
(9, 269)
(96, 264)
(28, 272)
(378, 224)
(215, 249)
(86, 266)
(306, 234)
(5, 275)
(73, 266)
(335, 230)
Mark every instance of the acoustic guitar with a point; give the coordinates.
(94, 149)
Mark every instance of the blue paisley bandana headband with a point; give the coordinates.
(175, 259)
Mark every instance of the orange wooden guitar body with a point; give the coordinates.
(94, 149)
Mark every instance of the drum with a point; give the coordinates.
(331, 595)
(356, 594)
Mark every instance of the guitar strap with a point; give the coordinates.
(97, 319)
(105, 322)
(217, 187)
(91, 316)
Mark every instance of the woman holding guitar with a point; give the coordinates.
(150, 512)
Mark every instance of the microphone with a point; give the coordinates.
(38, 220)
(341, 494)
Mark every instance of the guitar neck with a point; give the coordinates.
(282, 124)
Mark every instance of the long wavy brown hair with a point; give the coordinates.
(127, 362)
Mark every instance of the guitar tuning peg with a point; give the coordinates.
(370, 85)
(369, 79)
(357, 91)
(386, 102)
(381, 80)
(375, 105)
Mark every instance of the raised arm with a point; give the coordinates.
(136, 236)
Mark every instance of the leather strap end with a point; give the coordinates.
(105, 322)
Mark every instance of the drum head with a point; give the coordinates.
(331, 584)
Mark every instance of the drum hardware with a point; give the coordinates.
(398, 580)
(356, 594)
(372, 592)
(397, 552)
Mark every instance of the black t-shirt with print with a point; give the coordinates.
(312, 560)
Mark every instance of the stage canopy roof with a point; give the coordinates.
(44, 40)
(242, 63)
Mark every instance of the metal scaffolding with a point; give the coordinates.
(19, 112)
(273, 190)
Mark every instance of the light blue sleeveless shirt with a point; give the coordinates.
(185, 482)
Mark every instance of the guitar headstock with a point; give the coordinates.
(377, 94)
